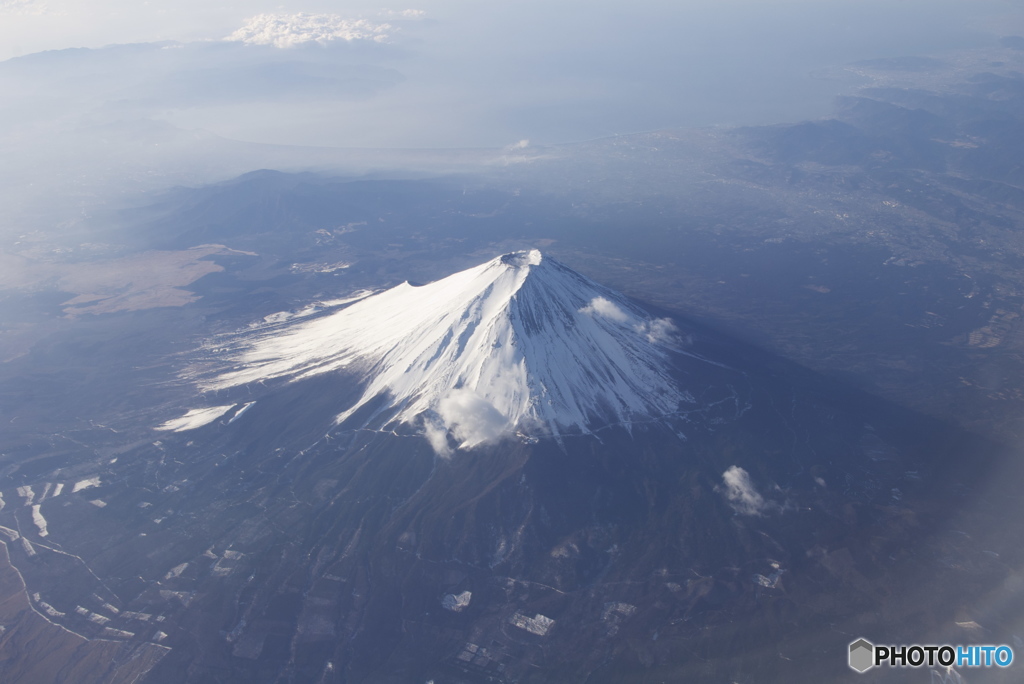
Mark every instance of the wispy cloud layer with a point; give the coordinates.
(292, 30)
(403, 14)
(24, 7)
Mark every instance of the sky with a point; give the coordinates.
(488, 74)
(112, 94)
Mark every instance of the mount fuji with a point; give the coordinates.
(521, 344)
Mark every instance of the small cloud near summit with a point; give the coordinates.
(656, 331)
(292, 30)
(659, 331)
(599, 306)
(471, 418)
(466, 416)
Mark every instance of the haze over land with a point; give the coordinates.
(458, 342)
(130, 97)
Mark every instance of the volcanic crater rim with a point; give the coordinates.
(523, 258)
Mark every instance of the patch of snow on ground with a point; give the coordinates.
(39, 521)
(132, 615)
(50, 610)
(117, 633)
(456, 602)
(195, 418)
(538, 624)
(86, 484)
(27, 493)
(240, 412)
(175, 571)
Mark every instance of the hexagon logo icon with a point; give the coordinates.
(862, 655)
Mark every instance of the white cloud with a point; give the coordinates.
(466, 416)
(659, 331)
(472, 419)
(291, 30)
(599, 306)
(403, 14)
(437, 435)
(742, 495)
(24, 7)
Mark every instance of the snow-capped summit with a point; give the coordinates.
(520, 344)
